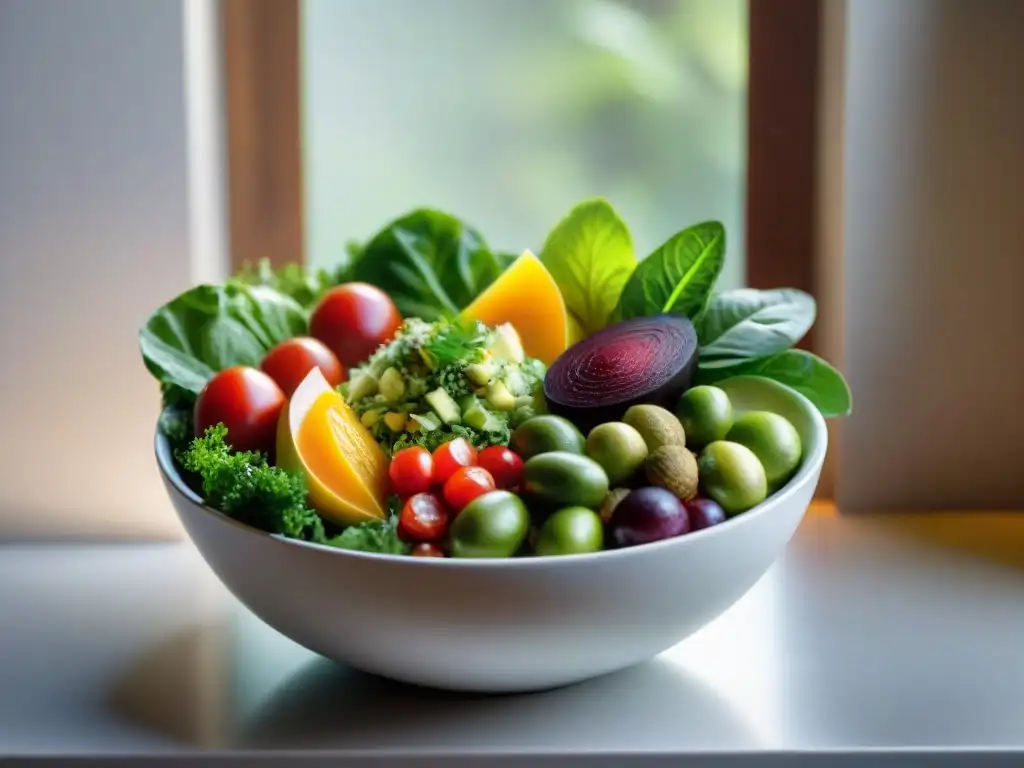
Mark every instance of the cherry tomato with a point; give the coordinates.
(411, 471)
(423, 518)
(504, 465)
(426, 549)
(354, 319)
(451, 456)
(290, 361)
(247, 401)
(465, 485)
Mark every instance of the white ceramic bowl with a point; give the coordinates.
(507, 625)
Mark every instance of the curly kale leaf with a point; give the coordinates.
(245, 487)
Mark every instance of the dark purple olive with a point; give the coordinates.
(646, 515)
(704, 513)
(648, 360)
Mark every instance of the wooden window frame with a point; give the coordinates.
(262, 68)
(263, 136)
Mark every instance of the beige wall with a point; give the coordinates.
(94, 233)
(933, 324)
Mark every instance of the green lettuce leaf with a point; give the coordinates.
(807, 373)
(590, 255)
(209, 328)
(747, 323)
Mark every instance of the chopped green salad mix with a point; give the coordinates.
(450, 378)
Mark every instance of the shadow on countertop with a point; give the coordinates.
(330, 706)
(182, 689)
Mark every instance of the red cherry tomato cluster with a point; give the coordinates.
(436, 487)
(348, 324)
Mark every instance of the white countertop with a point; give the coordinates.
(900, 635)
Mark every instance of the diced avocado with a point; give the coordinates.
(392, 385)
(415, 387)
(428, 421)
(476, 416)
(524, 400)
(516, 382)
(481, 373)
(507, 344)
(466, 402)
(362, 385)
(370, 418)
(499, 398)
(480, 391)
(444, 406)
(493, 424)
(395, 421)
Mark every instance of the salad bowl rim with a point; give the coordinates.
(810, 465)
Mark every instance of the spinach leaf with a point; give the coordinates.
(679, 276)
(590, 255)
(209, 328)
(808, 374)
(430, 263)
(747, 323)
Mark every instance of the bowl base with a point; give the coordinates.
(483, 686)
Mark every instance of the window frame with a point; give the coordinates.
(783, 115)
(262, 69)
(263, 130)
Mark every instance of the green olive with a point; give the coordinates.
(706, 415)
(618, 448)
(570, 531)
(492, 525)
(774, 440)
(732, 475)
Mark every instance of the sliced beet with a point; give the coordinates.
(643, 360)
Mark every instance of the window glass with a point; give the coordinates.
(507, 113)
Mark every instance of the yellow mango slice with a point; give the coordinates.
(526, 296)
(344, 467)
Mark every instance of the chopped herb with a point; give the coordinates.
(431, 440)
(378, 536)
(455, 341)
(245, 487)
(304, 284)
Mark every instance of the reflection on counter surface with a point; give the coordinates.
(860, 636)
